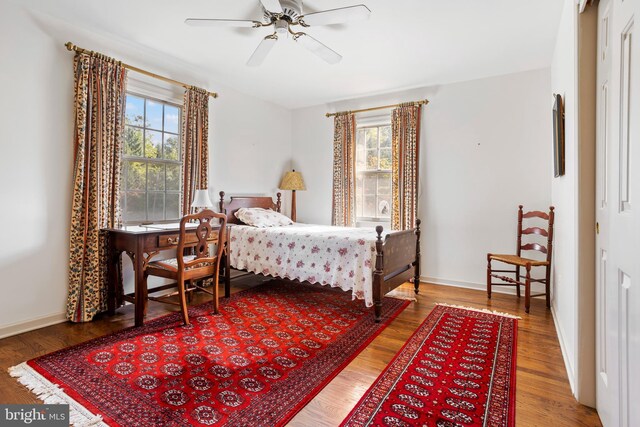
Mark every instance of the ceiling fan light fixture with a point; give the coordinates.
(281, 26)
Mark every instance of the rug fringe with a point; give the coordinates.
(481, 310)
(52, 394)
(402, 297)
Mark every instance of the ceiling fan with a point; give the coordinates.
(284, 14)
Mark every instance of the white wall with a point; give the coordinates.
(573, 76)
(563, 191)
(485, 148)
(250, 142)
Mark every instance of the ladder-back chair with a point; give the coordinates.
(519, 261)
(197, 266)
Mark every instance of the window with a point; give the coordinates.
(373, 173)
(151, 188)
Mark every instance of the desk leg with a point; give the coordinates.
(140, 285)
(114, 277)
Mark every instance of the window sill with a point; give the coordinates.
(386, 225)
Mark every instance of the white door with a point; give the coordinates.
(617, 206)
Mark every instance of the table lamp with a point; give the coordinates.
(201, 201)
(292, 181)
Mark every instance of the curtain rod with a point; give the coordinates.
(422, 102)
(72, 47)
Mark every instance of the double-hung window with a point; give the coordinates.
(373, 174)
(151, 186)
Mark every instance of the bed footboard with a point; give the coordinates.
(397, 261)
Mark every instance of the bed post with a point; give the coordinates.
(378, 278)
(222, 202)
(416, 269)
(278, 202)
(227, 263)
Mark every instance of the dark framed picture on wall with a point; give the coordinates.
(558, 136)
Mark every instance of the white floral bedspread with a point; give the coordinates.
(335, 256)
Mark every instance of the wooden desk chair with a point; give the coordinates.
(192, 268)
(527, 263)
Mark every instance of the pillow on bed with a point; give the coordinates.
(262, 218)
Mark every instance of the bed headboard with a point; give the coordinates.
(236, 203)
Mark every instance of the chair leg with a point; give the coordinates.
(547, 286)
(518, 280)
(215, 293)
(489, 276)
(189, 294)
(183, 301)
(527, 289)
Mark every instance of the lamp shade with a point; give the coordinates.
(292, 181)
(201, 200)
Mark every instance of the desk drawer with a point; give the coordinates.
(166, 240)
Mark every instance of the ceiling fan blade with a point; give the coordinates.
(242, 23)
(337, 16)
(318, 48)
(262, 50)
(272, 6)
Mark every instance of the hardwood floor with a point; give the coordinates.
(543, 395)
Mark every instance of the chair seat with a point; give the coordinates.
(171, 264)
(516, 260)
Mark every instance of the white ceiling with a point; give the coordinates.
(405, 43)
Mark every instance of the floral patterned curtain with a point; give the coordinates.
(405, 143)
(99, 125)
(195, 146)
(344, 153)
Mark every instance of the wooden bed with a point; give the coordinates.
(397, 257)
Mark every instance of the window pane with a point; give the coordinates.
(360, 137)
(384, 195)
(384, 183)
(135, 175)
(171, 119)
(173, 177)
(123, 201)
(360, 152)
(370, 185)
(134, 111)
(359, 182)
(373, 187)
(372, 160)
(135, 206)
(132, 141)
(153, 115)
(151, 188)
(385, 158)
(385, 136)
(372, 138)
(172, 206)
(369, 208)
(155, 177)
(155, 206)
(171, 147)
(153, 144)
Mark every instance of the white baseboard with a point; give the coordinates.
(563, 348)
(30, 325)
(471, 285)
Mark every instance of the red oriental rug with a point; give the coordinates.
(457, 370)
(260, 361)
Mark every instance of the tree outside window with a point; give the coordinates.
(151, 187)
(373, 173)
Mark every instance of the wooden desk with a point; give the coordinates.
(141, 243)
